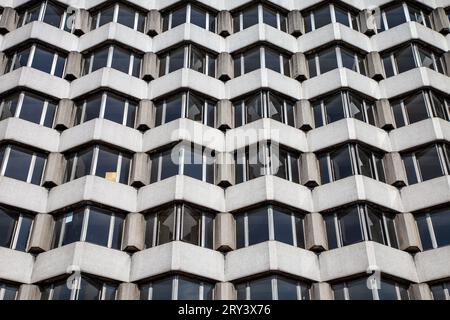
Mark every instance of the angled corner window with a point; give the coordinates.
(261, 13)
(399, 13)
(189, 56)
(273, 288)
(119, 13)
(176, 288)
(15, 229)
(434, 228)
(50, 12)
(441, 291)
(330, 13)
(22, 164)
(358, 289)
(189, 13)
(261, 57)
(8, 291)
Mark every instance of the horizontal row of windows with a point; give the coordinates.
(389, 17)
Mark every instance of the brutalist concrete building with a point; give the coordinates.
(217, 149)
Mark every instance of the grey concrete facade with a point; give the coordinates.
(225, 260)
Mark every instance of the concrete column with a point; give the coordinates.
(134, 233)
(224, 23)
(29, 292)
(225, 232)
(54, 170)
(440, 20)
(153, 24)
(420, 291)
(225, 67)
(367, 22)
(309, 170)
(225, 168)
(150, 67)
(304, 115)
(225, 291)
(140, 170)
(395, 170)
(73, 66)
(315, 232)
(224, 115)
(321, 291)
(9, 20)
(296, 23)
(81, 22)
(384, 114)
(42, 233)
(65, 115)
(407, 233)
(299, 67)
(128, 291)
(146, 113)
(375, 66)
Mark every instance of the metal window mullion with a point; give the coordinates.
(169, 23)
(5, 160)
(204, 164)
(363, 223)
(294, 229)
(260, 14)
(354, 159)
(274, 288)
(42, 9)
(2, 293)
(155, 230)
(317, 60)
(188, 13)
(187, 56)
(181, 162)
(55, 59)
(201, 291)
(394, 64)
(16, 232)
(431, 231)
(242, 64)
(110, 56)
(246, 230)
(332, 13)
(375, 295)
(373, 166)
(63, 230)
(346, 294)
(299, 291)
(85, 225)
(262, 55)
(208, 17)
(112, 221)
(337, 226)
(44, 112)
(442, 161)
(179, 222)
(406, 12)
(119, 167)
(91, 62)
(74, 167)
(116, 13)
(271, 223)
(75, 289)
(19, 104)
(131, 64)
(202, 234)
(278, 21)
(184, 104)
(94, 160)
(31, 168)
(339, 56)
(385, 230)
(125, 112)
(136, 20)
(386, 25)
(31, 57)
(175, 288)
(313, 22)
(345, 102)
(247, 291)
(416, 168)
(416, 55)
(350, 22)
(163, 115)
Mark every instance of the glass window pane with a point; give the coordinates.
(32, 108)
(358, 290)
(191, 225)
(131, 114)
(339, 291)
(322, 16)
(395, 16)
(10, 292)
(324, 171)
(7, 224)
(50, 115)
(405, 59)
(18, 164)
(195, 108)
(98, 226)
(110, 291)
(84, 162)
(375, 225)
(272, 59)
(168, 167)
(43, 60)
(107, 15)
(9, 107)
(348, 59)
(176, 59)
(121, 60)
(408, 161)
(187, 289)
(126, 16)
(258, 226)
(93, 105)
(24, 232)
(173, 108)
(89, 289)
(193, 162)
(350, 226)
(162, 289)
(279, 162)
(149, 230)
(114, 108)
(61, 291)
(117, 232)
(341, 162)
(388, 67)
(424, 232)
(415, 108)
(438, 292)
(178, 17)
(33, 14)
(341, 16)
(328, 60)
(334, 108)
(198, 17)
(209, 231)
(365, 162)
(331, 231)
(21, 59)
(125, 169)
(252, 60)
(241, 291)
(197, 60)
(356, 107)
(282, 224)
(166, 226)
(270, 17)
(254, 108)
(398, 114)
(53, 15)
(73, 223)
(299, 231)
(261, 289)
(250, 17)
(287, 289)
(107, 164)
(240, 231)
(100, 59)
(429, 164)
(441, 227)
(387, 290)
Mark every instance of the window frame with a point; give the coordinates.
(274, 286)
(374, 290)
(208, 16)
(42, 10)
(187, 62)
(17, 231)
(174, 288)
(352, 18)
(406, 11)
(240, 58)
(3, 286)
(137, 15)
(280, 16)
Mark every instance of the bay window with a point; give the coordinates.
(336, 57)
(360, 223)
(177, 288)
(267, 159)
(22, 164)
(188, 56)
(15, 229)
(89, 224)
(330, 13)
(270, 222)
(8, 291)
(351, 160)
(38, 57)
(189, 13)
(358, 289)
(81, 287)
(119, 13)
(183, 159)
(30, 107)
(419, 106)
(441, 291)
(99, 161)
(264, 104)
(51, 12)
(261, 57)
(260, 13)
(115, 57)
(274, 287)
(180, 222)
(345, 104)
(426, 163)
(187, 105)
(106, 105)
(434, 228)
(398, 14)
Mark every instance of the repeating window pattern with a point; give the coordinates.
(260, 13)
(115, 57)
(119, 13)
(261, 57)
(22, 164)
(398, 14)
(189, 56)
(427, 163)
(264, 104)
(106, 105)
(330, 13)
(270, 223)
(189, 14)
(8, 291)
(348, 160)
(359, 290)
(336, 57)
(180, 222)
(81, 287)
(412, 56)
(183, 159)
(360, 223)
(15, 229)
(177, 288)
(434, 228)
(188, 105)
(441, 291)
(267, 159)
(99, 161)
(30, 107)
(273, 288)
(345, 104)
(419, 106)
(38, 57)
(50, 12)
(90, 224)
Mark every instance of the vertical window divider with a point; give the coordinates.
(125, 112)
(31, 57)
(116, 13)
(441, 157)
(188, 13)
(339, 57)
(5, 160)
(53, 68)
(202, 234)
(260, 13)
(247, 291)
(175, 288)
(262, 53)
(42, 8)
(178, 221)
(119, 167)
(375, 294)
(313, 21)
(44, 112)
(274, 288)
(94, 160)
(131, 64)
(19, 104)
(110, 56)
(16, 232)
(332, 13)
(111, 230)
(416, 167)
(406, 12)
(155, 230)
(363, 223)
(271, 223)
(354, 158)
(136, 19)
(246, 230)
(31, 168)
(84, 227)
(385, 230)
(337, 226)
(294, 229)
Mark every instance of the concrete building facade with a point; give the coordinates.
(215, 149)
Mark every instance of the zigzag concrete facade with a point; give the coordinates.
(364, 198)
